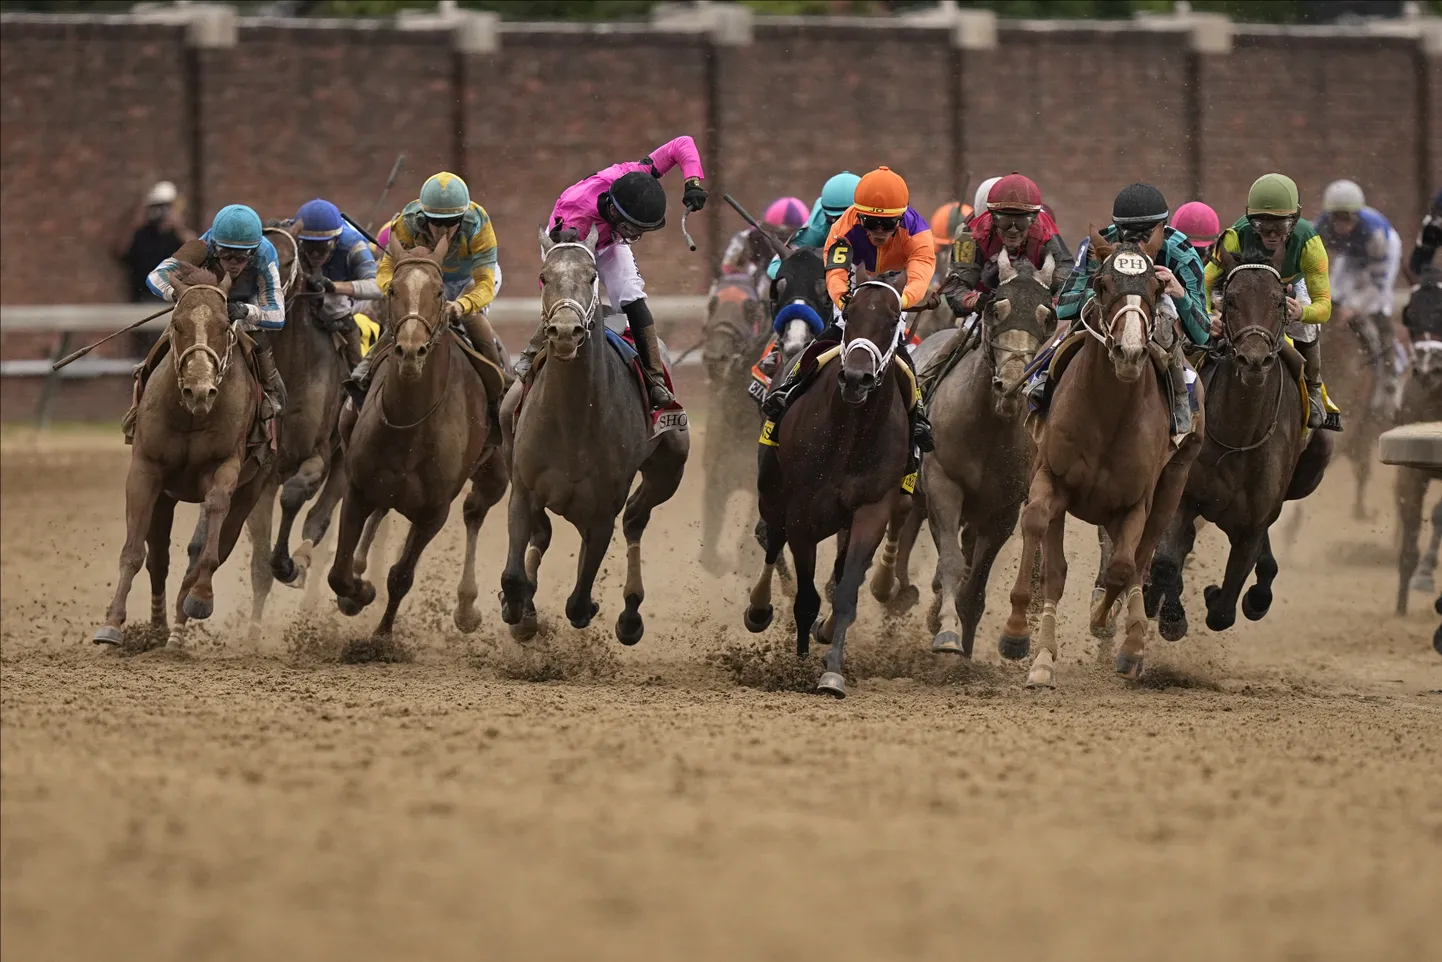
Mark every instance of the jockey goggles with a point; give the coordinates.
(1013, 220)
(1271, 226)
(234, 255)
(880, 223)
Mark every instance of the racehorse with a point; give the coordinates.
(582, 433)
(841, 454)
(307, 438)
(1256, 453)
(191, 434)
(1351, 378)
(423, 431)
(975, 480)
(1104, 455)
(1421, 401)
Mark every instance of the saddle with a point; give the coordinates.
(818, 355)
(260, 445)
(493, 377)
(673, 417)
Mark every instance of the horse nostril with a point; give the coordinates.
(188, 394)
(211, 393)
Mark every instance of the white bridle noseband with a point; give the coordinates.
(585, 312)
(222, 361)
(880, 359)
(1273, 340)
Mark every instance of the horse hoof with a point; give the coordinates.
(283, 570)
(816, 634)
(1172, 626)
(524, 631)
(107, 635)
(1437, 640)
(832, 684)
(1041, 676)
(1256, 602)
(583, 620)
(947, 643)
(1129, 666)
(758, 620)
(299, 581)
(1423, 581)
(1218, 620)
(348, 606)
(907, 598)
(197, 608)
(1014, 647)
(630, 626)
(1437, 605)
(1152, 599)
(467, 619)
(1210, 592)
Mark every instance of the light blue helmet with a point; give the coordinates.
(839, 193)
(319, 220)
(236, 226)
(444, 196)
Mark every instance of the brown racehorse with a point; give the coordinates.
(1255, 456)
(840, 458)
(421, 434)
(1105, 456)
(1421, 401)
(1351, 377)
(190, 445)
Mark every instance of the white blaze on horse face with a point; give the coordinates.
(1133, 337)
(797, 333)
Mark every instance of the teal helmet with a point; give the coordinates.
(236, 226)
(444, 196)
(839, 193)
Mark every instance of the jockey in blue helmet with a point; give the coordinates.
(836, 196)
(336, 261)
(235, 245)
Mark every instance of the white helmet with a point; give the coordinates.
(162, 193)
(1343, 195)
(978, 203)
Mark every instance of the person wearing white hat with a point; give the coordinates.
(155, 232)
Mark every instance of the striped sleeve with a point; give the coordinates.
(269, 310)
(159, 280)
(1075, 294)
(484, 256)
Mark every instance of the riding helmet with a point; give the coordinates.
(882, 193)
(640, 200)
(319, 220)
(444, 196)
(947, 222)
(1014, 192)
(839, 193)
(1273, 195)
(1199, 222)
(1343, 195)
(1139, 204)
(236, 226)
(786, 212)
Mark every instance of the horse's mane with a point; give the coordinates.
(189, 275)
(567, 235)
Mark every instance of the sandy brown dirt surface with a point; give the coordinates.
(1272, 793)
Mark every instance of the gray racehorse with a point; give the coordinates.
(582, 434)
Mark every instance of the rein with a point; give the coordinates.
(1274, 341)
(1144, 264)
(1272, 338)
(879, 358)
(431, 334)
(289, 281)
(585, 312)
(222, 361)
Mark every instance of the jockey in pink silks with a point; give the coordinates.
(623, 202)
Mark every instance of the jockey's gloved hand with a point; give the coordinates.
(1432, 231)
(237, 311)
(976, 300)
(695, 196)
(454, 311)
(326, 284)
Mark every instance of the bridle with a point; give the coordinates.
(586, 313)
(1272, 338)
(222, 361)
(1130, 304)
(288, 283)
(431, 334)
(881, 360)
(996, 355)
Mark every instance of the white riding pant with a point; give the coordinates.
(1305, 333)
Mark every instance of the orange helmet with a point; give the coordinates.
(882, 193)
(946, 223)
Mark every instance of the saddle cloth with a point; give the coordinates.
(670, 418)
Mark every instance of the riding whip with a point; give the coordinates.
(390, 182)
(364, 233)
(782, 250)
(685, 233)
(77, 355)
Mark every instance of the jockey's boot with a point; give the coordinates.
(528, 354)
(272, 387)
(1311, 352)
(359, 382)
(483, 338)
(352, 335)
(1181, 397)
(650, 350)
(778, 399)
(920, 425)
(141, 375)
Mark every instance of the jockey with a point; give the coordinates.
(881, 232)
(235, 245)
(336, 260)
(1429, 238)
(624, 202)
(1273, 221)
(1136, 212)
(471, 271)
(748, 250)
(1365, 254)
(978, 200)
(947, 223)
(836, 195)
(1014, 221)
(1200, 223)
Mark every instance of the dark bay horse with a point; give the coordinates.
(1255, 456)
(307, 438)
(190, 445)
(1421, 401)
(580, 439)
(976, 479)
(841, 456)
(421, 434)
(1351, 379)
(734, 418)
(1105, 456)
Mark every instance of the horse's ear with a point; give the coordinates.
(1048, 270)
(394, 248)
(1224, 258)
(592, 238)
(860, 276)
(295, 228)
(1153, 245)
(1101, 248)
(225, 282)
(546, 242)
(1003, 266)
(900, 283)
(1043, 313)
(438, 253)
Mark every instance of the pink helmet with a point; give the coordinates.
(1199, 222)
(383, 237)
(786, 212)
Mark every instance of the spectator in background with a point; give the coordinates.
(153, 233)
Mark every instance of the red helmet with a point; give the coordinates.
(1014, 192)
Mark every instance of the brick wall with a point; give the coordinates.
(92, 113)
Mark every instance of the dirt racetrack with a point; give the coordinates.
(1273, 793)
